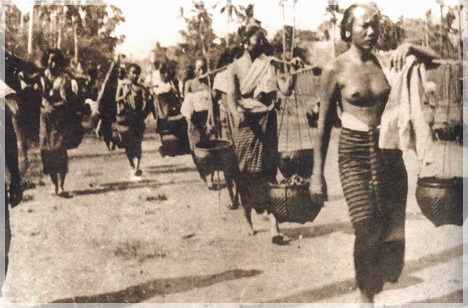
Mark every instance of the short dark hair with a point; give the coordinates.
(61, 61)
(136, 66)
(348, 19)
(246, 32)
(168, 68)
(189, 73)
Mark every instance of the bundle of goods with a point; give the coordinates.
(440, 185)
(299, 162)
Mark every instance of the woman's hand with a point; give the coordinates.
(399, 56)
(316, 188)
(238, 118)
(316, 184)
(209, 125)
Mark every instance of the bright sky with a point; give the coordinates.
(150, 21)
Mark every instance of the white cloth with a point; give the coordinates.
(5, 89)
(257, 77)
(156, 84)
(93, 105)
(261, 77)
(220, 81)
(349, 121)
(403, 125)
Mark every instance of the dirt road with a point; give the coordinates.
(167, 239)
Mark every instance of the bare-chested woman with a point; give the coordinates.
(374, 181)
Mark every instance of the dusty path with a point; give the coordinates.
(166, 239)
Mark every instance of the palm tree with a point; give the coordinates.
(332, 9)
(30, 31)
(245, 14)
(459, 9)
(77, 14)
(203, 20)
(441, 3)
(231, 10)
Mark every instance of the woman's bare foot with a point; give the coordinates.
(278, 239)
(366, 300)
(64, 194)
(210, 184)
(232, 206)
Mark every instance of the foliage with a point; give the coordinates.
(84, 31)
(443, 39)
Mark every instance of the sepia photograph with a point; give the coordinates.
(233, 153)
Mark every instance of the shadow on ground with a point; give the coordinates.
(126, 185)
(147, 290)
(454, 297)
(318, 230)
(348, 286)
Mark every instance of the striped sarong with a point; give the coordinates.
(375, 187)
(256, 145)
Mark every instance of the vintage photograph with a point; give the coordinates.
(232, 151)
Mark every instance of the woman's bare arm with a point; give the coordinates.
(328, 96)
(119, 95)
(424, 54)
(231, 96)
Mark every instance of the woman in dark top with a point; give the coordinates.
(132, 109)
(60, 122)
(13, 190)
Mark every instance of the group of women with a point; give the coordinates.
(374, 180)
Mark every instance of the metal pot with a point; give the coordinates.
(441, 200)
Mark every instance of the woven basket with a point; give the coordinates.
(173, 146)
(441, 200)
(216, 154)
(293, 203)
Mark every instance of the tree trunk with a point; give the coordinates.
(59, 36)
(460, 33)
(75, 38)
(30, 31)
(426, 28)
(293, 29)
(442, 31)
(334, 39)
(284, 40)
(227, 34)
(21, 22)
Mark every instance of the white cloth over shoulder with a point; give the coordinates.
(5, 89)
(156, 84)
(220, 81)
(195, 102)
(403, 125)
(261, 77)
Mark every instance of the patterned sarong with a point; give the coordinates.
(375, 186)
(256, 146)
